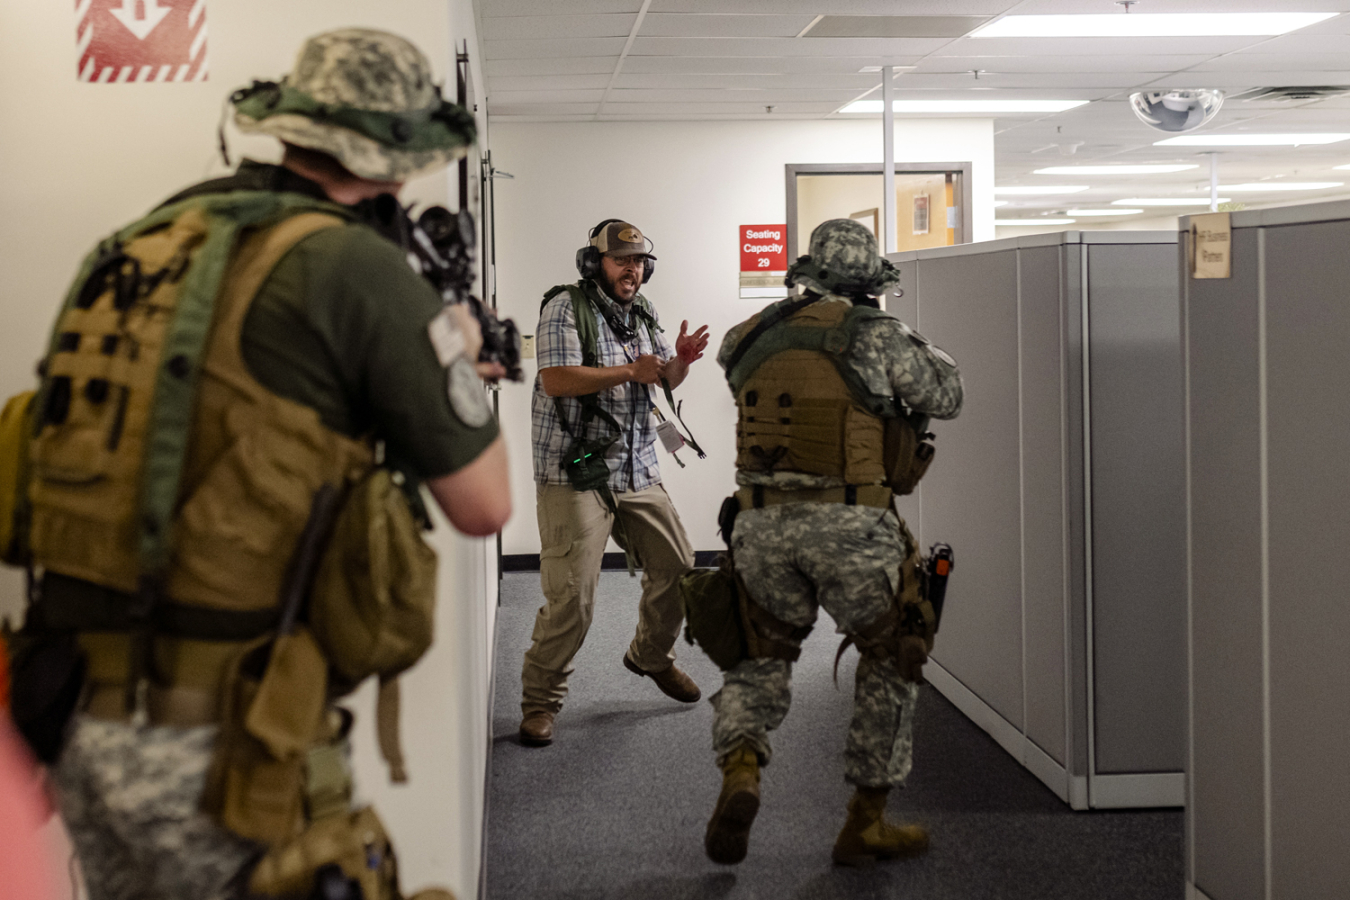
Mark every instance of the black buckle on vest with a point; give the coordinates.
(757, 495)
(851, 495)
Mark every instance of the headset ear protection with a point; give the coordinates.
(588, 257)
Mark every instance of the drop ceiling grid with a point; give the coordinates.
(515, 28)
(719, 59)
(850, 7)
(723, 26)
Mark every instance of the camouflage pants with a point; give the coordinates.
(795, 558)
(129, 796)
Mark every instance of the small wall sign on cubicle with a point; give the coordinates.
(763, 260)
(119, 41)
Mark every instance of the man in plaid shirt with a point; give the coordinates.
(630, 355)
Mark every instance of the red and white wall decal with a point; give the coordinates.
(140, 40)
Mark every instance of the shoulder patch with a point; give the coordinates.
(467, 396)
(446, 338)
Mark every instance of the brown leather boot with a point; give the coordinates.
(868, 837)
(673, 683)
(536, 729)
(728, 835)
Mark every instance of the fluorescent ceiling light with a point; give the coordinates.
(998, 203)
(1341, 167)
(1255, 186)
(963, 106)
(1103, 212)
(1047, 189)
(1166, 201)
(1249, 140)
(1033, 221)
(1150, 25)
(1116, 170)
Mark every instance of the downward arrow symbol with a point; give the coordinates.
(151, 14)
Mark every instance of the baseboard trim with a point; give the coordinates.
(1138, 791)
(1051, 773)
(1133, 791)
(1194, 893)
(529, 562)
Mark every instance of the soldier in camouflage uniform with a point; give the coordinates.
(797, 553)
(340, 327)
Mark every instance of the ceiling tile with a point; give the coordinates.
(1299, 43)
(697, 110)
(1274, 62)
(493, 8)
(1233, 82)
(574, 65)
(553, 48)
(502, 84)
(767, 64)
(1043, 7)
(722, 26)
(895, 26)
(518, 98)
(1063, 80)
(1070, 64)
(535, 27)
(832, 47)
(855, 82)
(1126, 46)
(846, 7)
(544, 109)
(734, 95)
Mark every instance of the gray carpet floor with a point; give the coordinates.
(615, 808)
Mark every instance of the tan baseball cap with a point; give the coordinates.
(620, 239)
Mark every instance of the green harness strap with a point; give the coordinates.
(585, 302)
(176, 381)
(781, 335)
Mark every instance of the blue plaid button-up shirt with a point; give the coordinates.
(632, 459)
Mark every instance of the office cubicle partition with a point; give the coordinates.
(1267, 368)
(1060, 486)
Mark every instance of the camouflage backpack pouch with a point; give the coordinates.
(373, 601)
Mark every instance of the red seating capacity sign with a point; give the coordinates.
(763, 248)
(140, 40)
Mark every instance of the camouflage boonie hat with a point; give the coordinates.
(843, 260)
(364, 97)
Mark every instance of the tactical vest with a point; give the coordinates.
(162, 472)
(801, 407)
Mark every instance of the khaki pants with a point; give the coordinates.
(573, 529)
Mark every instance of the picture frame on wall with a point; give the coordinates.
(920, 213)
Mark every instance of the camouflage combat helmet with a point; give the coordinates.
(843, 260)
(364, 97)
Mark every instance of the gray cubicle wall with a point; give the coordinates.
(1267, 369)
(1064, 632)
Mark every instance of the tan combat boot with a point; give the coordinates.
(728, 834)
(868, 837)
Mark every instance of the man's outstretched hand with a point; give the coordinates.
(690, 347)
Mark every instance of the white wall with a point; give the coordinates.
(78, 160)
(687, 185)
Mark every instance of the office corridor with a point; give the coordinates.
(615, 808)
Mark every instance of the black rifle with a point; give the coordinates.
(443, 244)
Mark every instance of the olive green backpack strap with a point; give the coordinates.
(780, 335)
(171, 414)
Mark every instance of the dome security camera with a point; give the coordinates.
(1176, 110)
